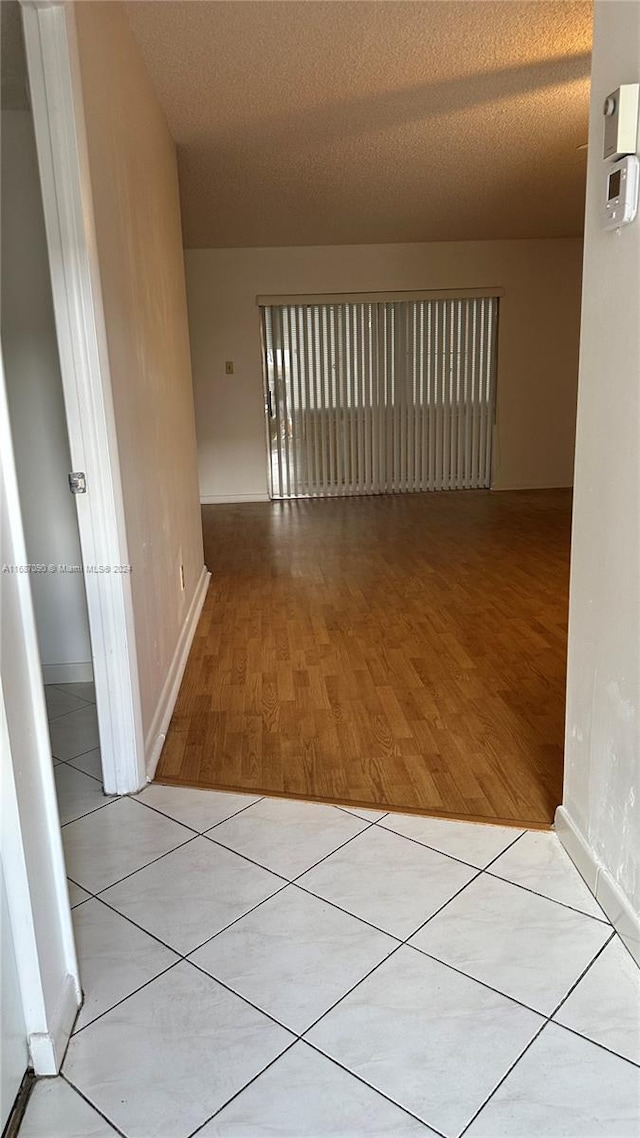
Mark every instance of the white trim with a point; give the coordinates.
(605, 889)
(68, 673)
(30, 835)
(47, 1048)
(533, 486)
(56, 97)
(157, 733)
(230, 499)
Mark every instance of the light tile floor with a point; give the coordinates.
(258, 967)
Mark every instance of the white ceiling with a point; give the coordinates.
(327, 121)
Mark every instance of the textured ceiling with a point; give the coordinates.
(326, 121)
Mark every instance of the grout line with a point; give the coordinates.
(394, 1102)
(63, 687)
(135, 924)
(595, 1043)
(354, 814)
(582, 974)
(117, 1004)
(352, 989)
(79, 756)
(93, 1106)
(200, 833)
(548, 1019)
(482, 983)
(506, 848)
(245, 999)
(354, 916)
(134, 871)
(242, 1090)
(572, 909)
(452, 857)
(503, 1079)
(95, 810)
(285, 885)
(249, 860)
(292, 880)
(95, 778)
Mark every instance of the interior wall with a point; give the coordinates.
(34, 390)
(602, 766)
(134, 181)
(537, 350)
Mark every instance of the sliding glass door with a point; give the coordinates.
(379, 397)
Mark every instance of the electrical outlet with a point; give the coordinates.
(182, 577)
(228, 367)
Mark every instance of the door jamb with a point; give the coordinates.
(58, 114)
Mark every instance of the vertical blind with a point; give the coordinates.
(383, 397)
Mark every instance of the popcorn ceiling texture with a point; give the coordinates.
(313, 123)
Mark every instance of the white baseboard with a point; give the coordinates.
(534, 486)
(230, 499)
(157, 733)
(47, 1049)
(68, 673)
(606, 891)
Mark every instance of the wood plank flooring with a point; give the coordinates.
(404, 651)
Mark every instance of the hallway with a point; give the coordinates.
(400, 651)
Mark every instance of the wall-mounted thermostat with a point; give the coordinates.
(621, 192)
(621, 121)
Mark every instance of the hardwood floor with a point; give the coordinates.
(404, 651)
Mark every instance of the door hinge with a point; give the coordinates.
(78, 482)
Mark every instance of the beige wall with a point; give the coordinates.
(537, 360)
(602, 774)
(36, 406)
(137, 217)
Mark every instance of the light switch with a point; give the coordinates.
(228, 367)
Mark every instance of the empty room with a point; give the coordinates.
(383, 279)
(320, 607)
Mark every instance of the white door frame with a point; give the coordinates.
(30, 835)
(58, 114)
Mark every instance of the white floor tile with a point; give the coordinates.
(90, 763)
(115, 841)
(605, 1005)
(304, 1095)
(193, 893)
(77, 793)
(523, 945)
(115, 958)
(76, 894)
(55, 1110)
(60, 702)
(85, 690)
(74, 733)
(472, 842)
(199, 809)
(564, 1086)
(361, 812)
(391, 882)
(538, 862)
(294, 956)
(287, 836)
(432, 1040)
(161, 1063)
